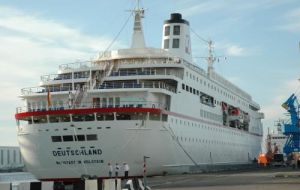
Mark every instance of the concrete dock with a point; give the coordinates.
(264, 179)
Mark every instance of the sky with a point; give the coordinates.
(259, 38)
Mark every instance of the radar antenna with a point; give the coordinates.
(138, 40)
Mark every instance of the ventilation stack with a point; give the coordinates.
(176, 37)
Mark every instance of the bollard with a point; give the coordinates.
(112, 184)
(91, 184)
(5, 186)
(47, 185)
(129, 185)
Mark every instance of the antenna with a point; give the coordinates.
(211, 59)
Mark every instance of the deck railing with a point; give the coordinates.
(39, 90)
(106, 85)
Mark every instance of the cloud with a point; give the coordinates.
(229, 7)
(200, 8)
(291, 21)
(31, 46)
(273, 110)
(235, 50)
(8, 136)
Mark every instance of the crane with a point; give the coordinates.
(292, 129)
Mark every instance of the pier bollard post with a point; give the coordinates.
(5, 186)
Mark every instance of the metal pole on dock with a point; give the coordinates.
(144, 173)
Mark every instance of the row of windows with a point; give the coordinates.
(69, 138)
(215, 88)
(96, 117)
(204, 98)
(211, 116)
(206, 127)
(78, 128)
(209, 141)
(279, 137)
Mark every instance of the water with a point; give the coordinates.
(16, 177)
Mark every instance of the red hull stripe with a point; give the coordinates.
(85, 111)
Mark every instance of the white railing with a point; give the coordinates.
(54, 77)
(38, 90)
(122, 104)
(117, 85)
(76, 65)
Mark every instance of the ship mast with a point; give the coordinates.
(138, 40)
(211, 58)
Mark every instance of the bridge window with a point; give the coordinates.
(176, 30)
(167, 30)
(175, 43)
(166, 44)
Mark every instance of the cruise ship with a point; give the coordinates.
(152, 108)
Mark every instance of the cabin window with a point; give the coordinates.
(82, 117)
(166, 43)
(92, 137)
(164, 117)
(79, 138)
(124, 116)
(175, 43)
(154, 116)
(167, 30)
(100, 116)
(96, 102)
(183, 86)
(56, 138)
(67, 138)
(59, 118)
(77, 117)
(39, 119)
(53, 119)
(176, 30)
(117, 102)
(104, 102)
(109, 117)
(110, 102)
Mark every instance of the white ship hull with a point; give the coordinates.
(130, 141)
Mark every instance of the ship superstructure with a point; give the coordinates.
(136, 102)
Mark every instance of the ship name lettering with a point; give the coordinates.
(84, 152)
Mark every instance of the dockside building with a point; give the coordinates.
(10, 158)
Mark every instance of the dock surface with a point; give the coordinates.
(264, 179)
